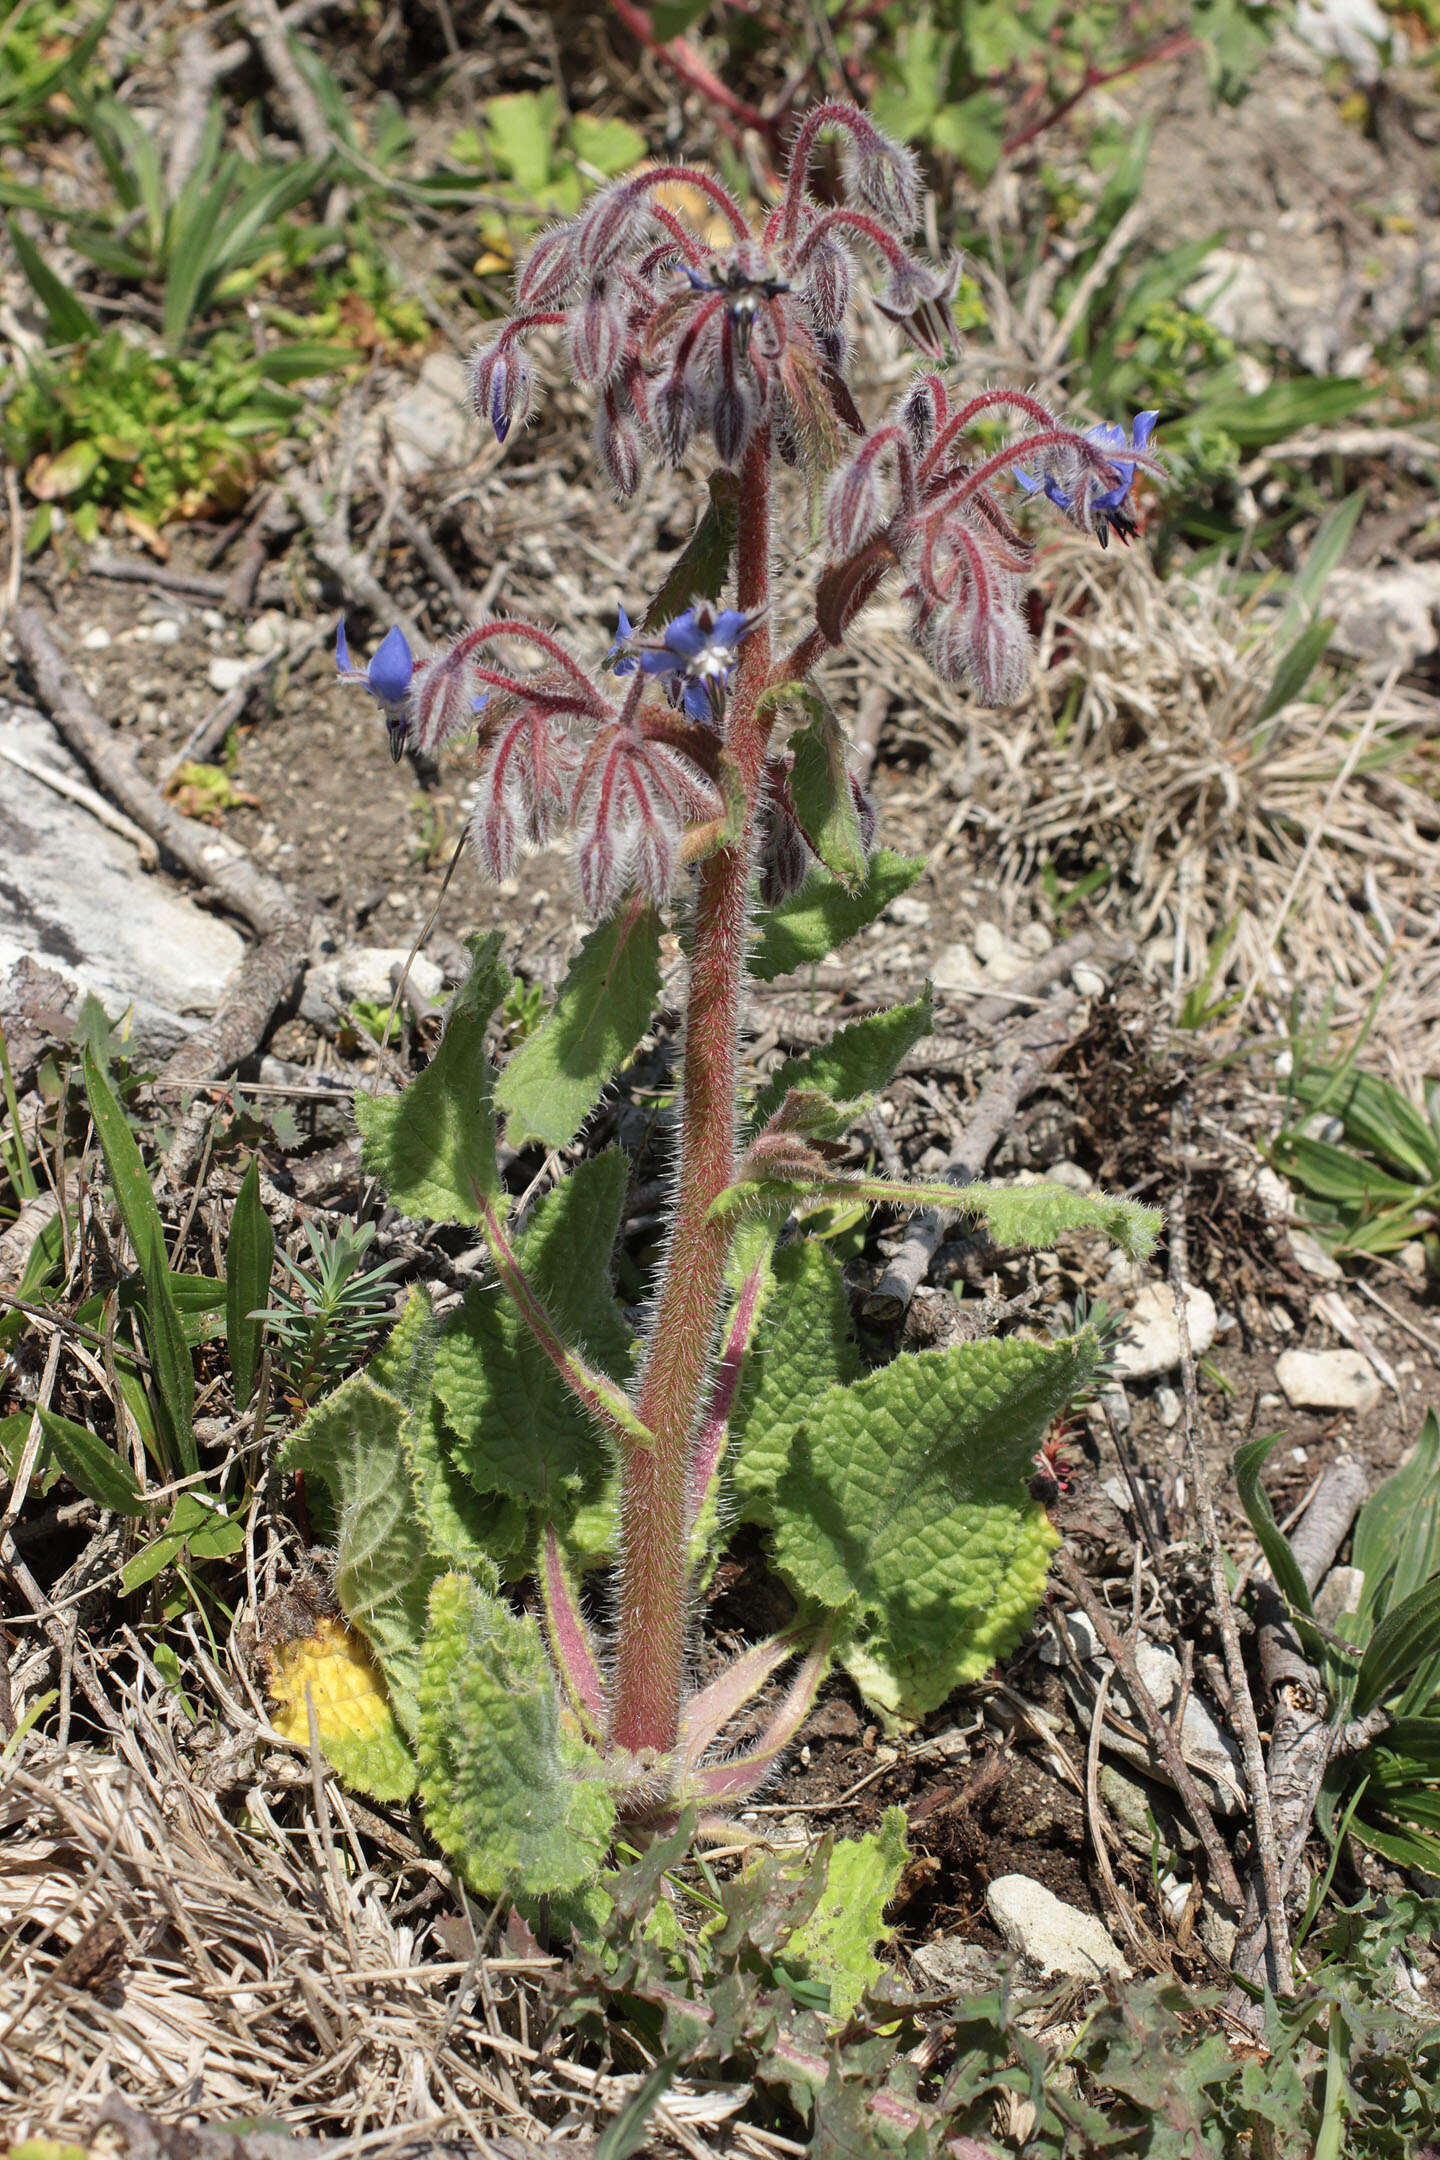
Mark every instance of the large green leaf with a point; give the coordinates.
(804, 928)
(433, 1148)
(804, 1346)
(92, 1466)
(556, 1077)
(906, 1503)
(858, 1060)
(384, 1566)
(520, 1429)
(510, 1789)
(837, 1942)
(820, 789)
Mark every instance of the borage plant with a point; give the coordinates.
(530, 1436)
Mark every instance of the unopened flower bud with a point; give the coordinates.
(597, 337)
(885, 177)
(548, 273)
(617, 442)
(501, 384)
(827, 284)
(854, 506)
(999, 654)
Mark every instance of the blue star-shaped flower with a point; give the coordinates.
(387, 678)
(696, 651)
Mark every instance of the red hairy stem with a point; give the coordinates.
(710, 1444)
(655, 1482)
(692, 70)
(973, 407)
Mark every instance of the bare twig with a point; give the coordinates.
(1162, 1737)
(193, 584)
(212, 858)
(265, 980)
(333, 549)
(263, 21)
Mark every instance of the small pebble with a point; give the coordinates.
(96, 640)
(1168, 1407)
(212, 618)
(225, 673)
(910, 913)
(1036, 938)
(165, 632)
(1088, 981)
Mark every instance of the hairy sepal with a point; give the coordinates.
(906, 1506)
(433, 1148)
(558, 1074)
(511, 1790)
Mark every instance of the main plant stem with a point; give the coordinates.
(655, 1481)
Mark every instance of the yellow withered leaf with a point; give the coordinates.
(354, 1722)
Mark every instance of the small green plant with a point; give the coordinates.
(1381, 1663)
(323, 1324)
(542, 161)
(530, 1433)
(1379, 1187)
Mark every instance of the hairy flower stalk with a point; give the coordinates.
(695, 764)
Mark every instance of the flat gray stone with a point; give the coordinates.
(1051, 1936)
(74, 897)
(1328, 1380)
(1151, 1344)
(957, 1967)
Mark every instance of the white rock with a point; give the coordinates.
(1072, 1175)
(1051, 1936)
(73, 895)
(1168, 1407)
(1412, 1258)
(1387, 618)
(1312, 1256)
(1088, 981)
(433, 424)
(1340, 1593)
(96, 640)
(910, 913)
(1006, 966)
(1036, 939)
(363, 971)
(989, 941)
(1274, 1195)
(1114, 1399)
(956, 968)
(1328, 1380)
(1151, 1345)
(266, 634)
(165, 632)
(225, 673)
(1355, 31)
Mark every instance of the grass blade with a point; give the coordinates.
(249, 1258)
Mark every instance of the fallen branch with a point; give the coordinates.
(211, 858)
(267, 978)
(190, 584)
(1036, 1051)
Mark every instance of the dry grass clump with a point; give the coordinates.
(1309, 838)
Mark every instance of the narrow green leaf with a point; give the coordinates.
(68, 316)
(510, 1792)
(1384, 1524)
(626, 2132)
(92, 1466)
(1334, 1173)
(1295, 666)
(249, 1257)
(906, 1503)
(821, 792)
(433, 1148)
(805, 928)
(164, 1332)
(606, 1002)
(858, 1061)
(1248, 1462)
(700, 570)
(1323, 556)
(1376, 1115)
(1409, 1632)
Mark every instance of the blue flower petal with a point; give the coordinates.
(684, 637)
(391, 668)
(660, 663)
(1143, 429)
(730, 626)
(696, 701)
(1057, 494)
(1031, 485)
(342, 651)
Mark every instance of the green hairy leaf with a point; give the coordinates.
(433, 1148)
(700, 571)
(807, 1348)
(384, 1566)
(820, 790)
(906, 1504)
(249, 1256)
(1035, 1215)
(807, 926)
(556, 1077)
(837, 1942)
(857, 1062)
(520, 1430)
(503, 1776)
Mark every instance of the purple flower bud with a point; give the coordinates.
(597, 336)
(614, 219)
(674, 411)
(826, 288)
(617, 443)
(885, 177)
(445, 699)
(999, 654)
(854, 506)
(548, 274)
(501, 384)
(734, 411)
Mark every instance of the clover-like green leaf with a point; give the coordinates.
(510, 1789)
(906, 1503)
(558, 1074)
